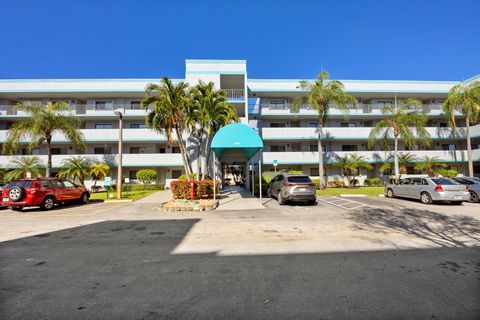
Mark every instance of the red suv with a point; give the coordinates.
(42, 192)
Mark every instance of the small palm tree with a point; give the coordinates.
(211, 112)
(466, 99)
(25, 167)
(401, 123)
(98, 171)
(404, 160)
(351, 165)
(43, 121)
(430, 165)
(323, 93)
(75, 168)
(167, 116)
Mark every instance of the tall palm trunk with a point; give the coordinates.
(320, 155)
(199, 154)
(183, 152)
(395, 159)
(469, 149)
(206, 156)
(49, 157)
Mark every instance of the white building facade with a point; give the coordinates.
(290, 138)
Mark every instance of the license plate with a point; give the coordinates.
(303, 189)
(457, 197)
(5, 199)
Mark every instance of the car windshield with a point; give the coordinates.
(21, 184)
(299, 179)
(464, 181)
(444, 181)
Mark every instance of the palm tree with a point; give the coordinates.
(25, 167)
(323, 93)
(76, 168)
(430, 165)
(42, 122)
(169, 102)
(211, 112)
(466, 99)
(351, 165)
(98, 171)
(405, 123)
(404, 160)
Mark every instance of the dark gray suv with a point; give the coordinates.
(292, 187)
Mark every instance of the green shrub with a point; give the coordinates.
(448, 173)
(138, 187)
(295, 172)
(183, 177)
(373, 182)
(203, 189)
(336, 184)
(146, 176)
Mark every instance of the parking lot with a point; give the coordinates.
(375, 258)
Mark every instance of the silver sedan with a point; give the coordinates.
(429, 190)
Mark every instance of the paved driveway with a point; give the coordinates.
(389, 259)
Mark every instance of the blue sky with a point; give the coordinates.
(384, 39)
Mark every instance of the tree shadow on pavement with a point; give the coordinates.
(437, 228)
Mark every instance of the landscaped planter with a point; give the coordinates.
(189, 205)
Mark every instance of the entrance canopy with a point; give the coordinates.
(236, 143)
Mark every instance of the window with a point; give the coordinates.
(138, 149)
(314, 171)
(45, 183)
(103, 105)
(443, 125)
(475, 146)
(161, 150)
(138, 126)
(349, 147)
(59, 151)
(68, 184)
(383, 103)
(176, 174)
(444, 181)
(103, 126)
(102, 150)
(278, 125)
(57, 184)
(278, 104)
(133, 175)
(348, 125)
(277, 148)
(135, 105)
(405, 181)
(448, 147)
(175, 149)
(21, 184)
(299, 179)
(313, 124)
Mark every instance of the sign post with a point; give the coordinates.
(275, 164)
(107, 182)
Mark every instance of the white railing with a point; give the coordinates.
(354, 133)
(360, 108)
(128, 159)
(310, 157)
(235, 94)
(84, 109)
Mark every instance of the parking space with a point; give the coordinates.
(342, 202)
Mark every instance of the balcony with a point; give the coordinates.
(83, 110)
(346, 133)
(129, 160)
(308, 157)
(235, 95)
(307, 109)
(107, 135)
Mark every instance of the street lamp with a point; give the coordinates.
(120, 153)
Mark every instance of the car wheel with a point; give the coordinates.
(48, 203)
(473, 197)
(426, 198)
(84, 198)
(390, 193)
(16, 193)
(456, 203)
(280, 199)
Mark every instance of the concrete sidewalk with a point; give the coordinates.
(238, 198)
(157, 197)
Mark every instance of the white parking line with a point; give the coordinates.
(334, 201)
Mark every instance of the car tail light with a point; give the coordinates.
(438, 188)
(466, 188)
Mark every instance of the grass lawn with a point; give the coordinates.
(369, 191)
(132, 195)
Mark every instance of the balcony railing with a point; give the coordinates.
(362, 108)
(83, 109)
(235, 94)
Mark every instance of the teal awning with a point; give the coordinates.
(236, 142)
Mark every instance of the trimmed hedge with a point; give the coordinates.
(295, 172)
(336, 184)
(448, 173)
(373, 182)
(183, 177)
(139, 187)
(203, 189)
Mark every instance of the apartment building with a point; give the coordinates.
(290, 138)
